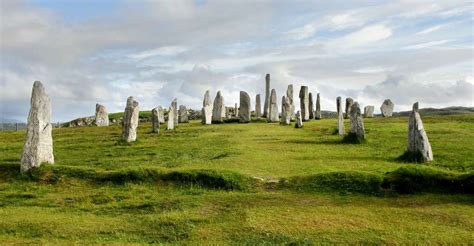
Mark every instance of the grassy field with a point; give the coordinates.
(254, 183)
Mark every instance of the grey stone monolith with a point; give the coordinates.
(387, 108)
(38, 147)
(311, 106)
(304, 103)
(236, 110)
(155, 120)
(161, 116)
(258, 106)
(218, 109)
(317, 113)
(101, 115)
(289, 95)
(130, 120)
(174, 104)
(183, 114)
(299, 120)
(357, 123)
(418, 142)
(369, 111)
(285, 111)
(266, 105)
(340, 117)
(245, 107)
(206, 112)
(273, 110)
(171, 120)
(349, 102)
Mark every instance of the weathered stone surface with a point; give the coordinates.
(155, 120)
(340, 117)
(387, 108)
(130, 120)
(285, 111)
(289, 95)
(183, 114)
(171, 120)
(349, 102)
(245, 107)
(311, 106)
(304, 103)
(369, 111)
(161, 116)
(38, 146)
(174, 104)
(101, 116)
(418, 142)
(266, 105)
(218, 109)
(273, 111)
(258, 106)
(83, 121)
(357, 123)
(317, 113)
(236, 110)
(299, 120)
(206, 111)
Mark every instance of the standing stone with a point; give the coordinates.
(289, 95)
(285, 111)
(418, 142)
(101, 116)
(273, 111)
(266, 106)
(218, 108)
(340, 117)
(171, 120)
(369, 111)
(206, 112)
(349, 102)
(161, 116)
(357, 123)
(244, 112)
(130, 120)
(311, 106)
(387, 108)
(38, 146)
(317, 113)
(236, 110)
(299, 120)
(258, 107)
(304, 103)
(155, 120)
(174, 104)
(183, 114)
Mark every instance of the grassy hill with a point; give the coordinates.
(254, 183)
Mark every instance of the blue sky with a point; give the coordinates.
(87, 52)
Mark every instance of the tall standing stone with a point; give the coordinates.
(38, 146)
(317, 113)
(357, 123)
(183, 114)
(387, 108)
(161, 116)
(174, 104)
(349, 102)
(304, 103)
(244, 112)
(285, 111)
(340, 117)
(236, 110)
(206, 112)
(369, 111)
(273, 111)
(418, 142)
(266, 106)
(289, 95)
(101, 116)
(218, 108)
(258, 106)
(171, 120)
(299, 120)
(311, 106)
(130, 120)
(155, 120)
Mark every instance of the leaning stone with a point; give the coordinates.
(130, 120)
(38, 146)
(273, 111)
(218, 108)
(258, 106)
(387, 108)
(244, 112)
(266, 105)
(418, 142)
(357, 123)
(317, 113)
(349, 102)
(311, 106)
(285, 111)
(369, 111)
(299, 120)
(101, 116)
(155, 120)
(304, 103)
(171, 118)
(183, 114)
(174, 104)
(289, 95)
(206, 111)
(340, 117)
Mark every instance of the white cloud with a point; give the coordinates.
(430, 29)
(426, 45)
(161, 51)
(368, 35)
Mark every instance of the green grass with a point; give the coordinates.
(203, 184)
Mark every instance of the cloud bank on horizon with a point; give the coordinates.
(104, 51)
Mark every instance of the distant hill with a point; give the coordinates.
(439, 111)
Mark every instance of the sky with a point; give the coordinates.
(87, 52)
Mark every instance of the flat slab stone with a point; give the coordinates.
(369, 111)
(183, 114)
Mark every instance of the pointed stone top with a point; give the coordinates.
(267, 77)
(415, 107)
(131, 102)
(207, 99)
